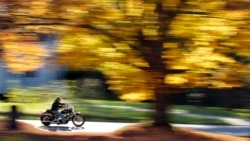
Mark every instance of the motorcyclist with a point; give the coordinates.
(55, 109)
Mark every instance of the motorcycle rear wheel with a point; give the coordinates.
(45, 119)
(78, 120)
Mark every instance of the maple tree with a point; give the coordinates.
(146, 49)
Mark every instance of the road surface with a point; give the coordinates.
(105, 127)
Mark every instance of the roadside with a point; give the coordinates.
(108, 127)
(136, 132)
(236, 127)
(229, 120)
(234, 130)
(192, 117)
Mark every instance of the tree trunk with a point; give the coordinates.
(152, 52)
(161, 118)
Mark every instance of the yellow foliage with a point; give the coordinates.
(21, 57)
(137, 96)
(103, 35)
(38, 8)
(176, 79)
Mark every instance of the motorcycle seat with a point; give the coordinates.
(49, 111)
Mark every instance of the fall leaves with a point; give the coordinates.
(203, 38)
(21, 56)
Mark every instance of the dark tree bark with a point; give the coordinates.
(162, 91)
(161, 118)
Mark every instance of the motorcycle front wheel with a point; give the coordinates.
(78, 120)
(45, 119)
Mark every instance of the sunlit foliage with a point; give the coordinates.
(21, 53)
(210, 45)
(208, 39)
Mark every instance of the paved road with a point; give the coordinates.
(103, 127)
(235, 130)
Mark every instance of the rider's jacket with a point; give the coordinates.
(56, 105)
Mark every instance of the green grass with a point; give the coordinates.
(111, 102)
(195, 120)
(120, 111)
(88, 108)
(32, 101)
(215, 111)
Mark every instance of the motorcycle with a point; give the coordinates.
(48, 117)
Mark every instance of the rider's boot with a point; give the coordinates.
(58, 121)
(55, 120)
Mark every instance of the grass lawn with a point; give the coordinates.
(120, 111)
(215, 111)
(195, 120)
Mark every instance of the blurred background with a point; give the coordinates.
(136, 60)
